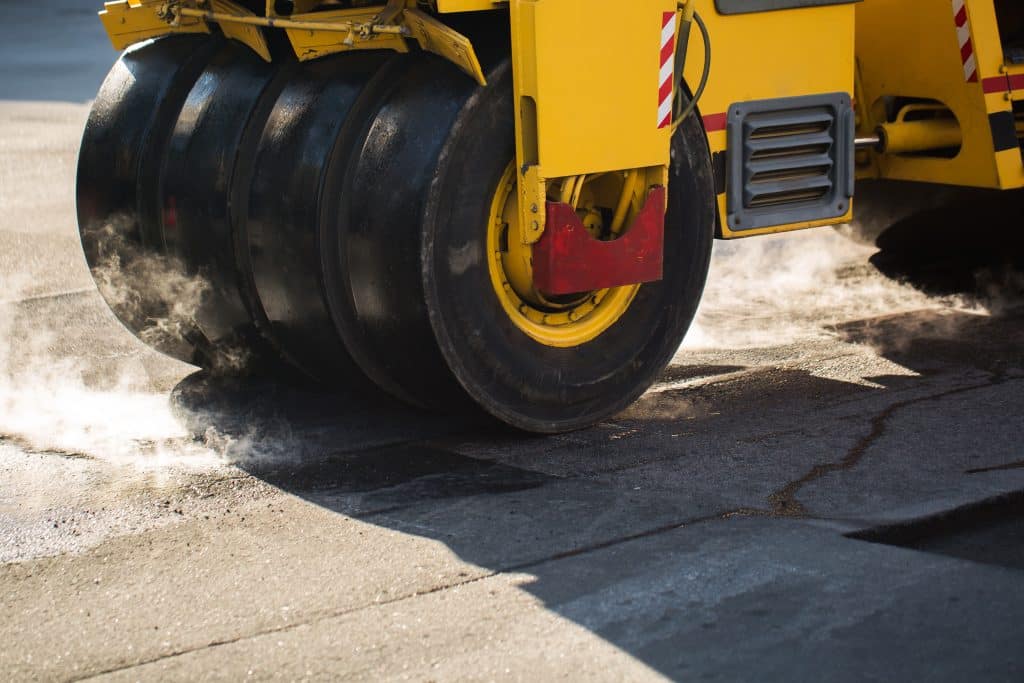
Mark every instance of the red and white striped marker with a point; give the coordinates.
(963, 34)
(668, 60)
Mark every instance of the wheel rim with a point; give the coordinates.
(573, 320)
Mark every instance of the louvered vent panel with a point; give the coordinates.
(789, 163)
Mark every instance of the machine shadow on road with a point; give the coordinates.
(739, 447)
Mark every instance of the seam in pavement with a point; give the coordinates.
(784, 503)
(50, 295)
(1019, 465)
(576, 552)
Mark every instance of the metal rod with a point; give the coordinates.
(872, 141)
(339, 27)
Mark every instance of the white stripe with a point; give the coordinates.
(963, 34)
(957, 6)
(970, 66)
(668, 33)
(665, 110)
(667, 72)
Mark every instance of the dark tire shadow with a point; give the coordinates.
(973, 248)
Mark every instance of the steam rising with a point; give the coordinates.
(74, 382)
(778, 290)
(155, 296)
(762, 293)
(53, 401)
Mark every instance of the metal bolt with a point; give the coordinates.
(535, 209)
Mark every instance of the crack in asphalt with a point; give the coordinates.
(1019, 465)
(784, 503)
(26, 447)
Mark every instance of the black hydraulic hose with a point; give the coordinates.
(681, 49)
(682, 46)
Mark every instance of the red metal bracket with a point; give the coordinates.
(567, 259)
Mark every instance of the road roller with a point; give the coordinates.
(506, 206)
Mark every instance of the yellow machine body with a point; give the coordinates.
(770, 55)
(917, 51)
(583, 108)
(589, 74)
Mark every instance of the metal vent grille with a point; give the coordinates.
(791, 160)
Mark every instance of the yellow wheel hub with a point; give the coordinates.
(564, 321)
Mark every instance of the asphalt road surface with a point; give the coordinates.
(827, 485)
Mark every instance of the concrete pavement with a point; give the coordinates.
(827, 485)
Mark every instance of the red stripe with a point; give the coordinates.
(715, 122)
(966, 51)
(961, 17)
(973, 78)
(1016, 82)
(668, 52)
(666, 92)
(995, 84)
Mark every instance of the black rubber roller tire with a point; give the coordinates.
(280, 245)
(522, 382)
(373, 230)
(208, 159)
(124, 139)
(425, 317)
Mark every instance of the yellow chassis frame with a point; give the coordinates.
(586, 75)
(312, 35)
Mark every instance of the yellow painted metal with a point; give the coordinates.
(312, 43)
(128, 23)
(249, 35)
(921, 135)
(725, 233)
(587, 76)
(370, 28)
(434, 36)
(767, 55)
(368, 32)
(592, 68)
(313, 34)
(931, 67)
(562, 322)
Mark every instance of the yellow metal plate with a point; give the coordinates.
(249, 35)
(128, 23)
(767, 55)
(592, 67)
(433, 36)
(311, 44)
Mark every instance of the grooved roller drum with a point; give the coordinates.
(118, 167)
(353, 217)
